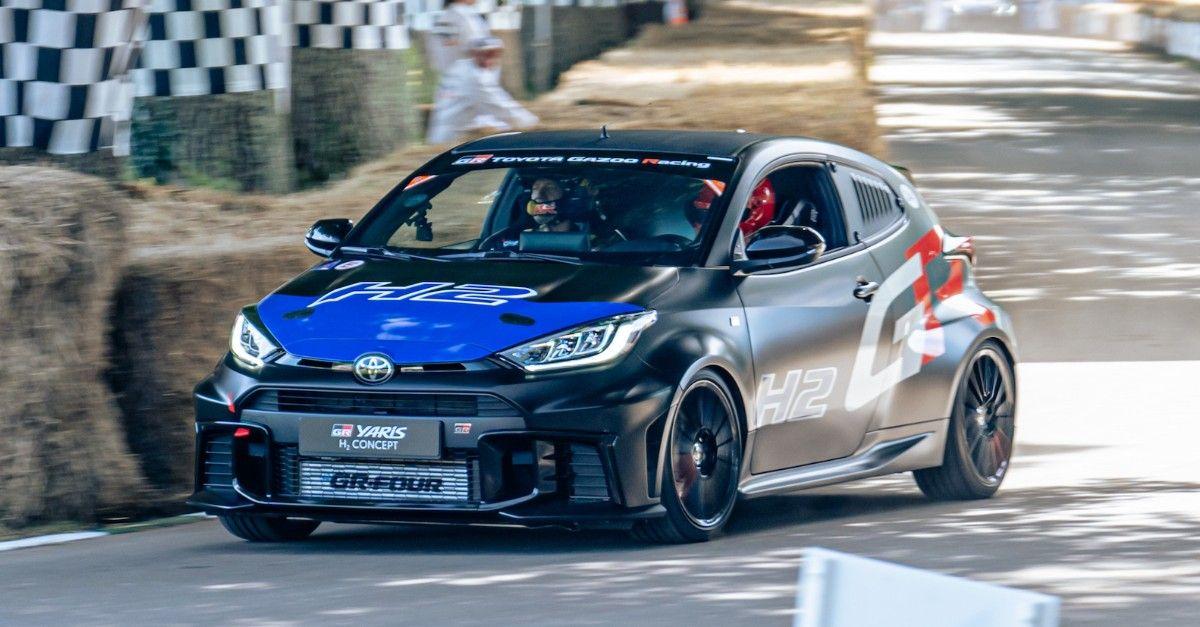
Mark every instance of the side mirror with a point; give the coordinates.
(774, 247)
(324, 236)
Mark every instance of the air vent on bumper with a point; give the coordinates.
(379, 403)
(218, 463)
(587, 479)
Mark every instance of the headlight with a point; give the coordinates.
(250, 345)
(589, 345)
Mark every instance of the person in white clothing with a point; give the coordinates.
(469, 96)
(453, 30)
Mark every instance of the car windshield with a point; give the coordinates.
(625, 210)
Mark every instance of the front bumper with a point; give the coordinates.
(579, 449)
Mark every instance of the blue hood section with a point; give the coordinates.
(419, 312)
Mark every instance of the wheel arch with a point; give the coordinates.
(721, 369)
(998, 337)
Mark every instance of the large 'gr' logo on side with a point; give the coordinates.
(373, 368)
(918, 331)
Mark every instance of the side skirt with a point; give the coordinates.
(921, 446)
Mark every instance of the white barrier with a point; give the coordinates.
(841, 590)
(1183, 39)
(1124, 22)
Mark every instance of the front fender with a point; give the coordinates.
(680, 355)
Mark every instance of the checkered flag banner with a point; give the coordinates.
(62, 63)
(349, 24)
(202, 47)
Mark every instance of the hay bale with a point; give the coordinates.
(348, 106)
(63, 455)
(237, 142)
(171, 325)
(100, 163)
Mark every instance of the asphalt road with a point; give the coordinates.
(1076, 165)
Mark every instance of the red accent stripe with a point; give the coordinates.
(954, 286)
(717, 186)
(927, 248)
(954, 283)
(417, 180)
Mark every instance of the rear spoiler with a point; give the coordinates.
(905, 171)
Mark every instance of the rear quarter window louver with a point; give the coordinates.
(877, 204)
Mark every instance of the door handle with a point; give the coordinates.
(865, 289)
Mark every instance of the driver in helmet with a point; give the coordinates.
(760, 209)
(547, 207)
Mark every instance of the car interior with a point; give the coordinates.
(616, 211)
(805, 196)
(610, 210)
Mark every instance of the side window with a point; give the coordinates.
(802, 195)
(877, 206)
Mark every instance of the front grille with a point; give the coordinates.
(415, 482)
(379, 403)
(287, 478)
(218, 463)
(588, 482)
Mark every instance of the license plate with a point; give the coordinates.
(371, 438)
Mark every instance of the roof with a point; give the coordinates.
(709, 143)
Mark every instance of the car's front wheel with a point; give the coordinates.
(979, 444)
(700, 474)
(267, 528)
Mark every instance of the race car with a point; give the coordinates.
(631, 329)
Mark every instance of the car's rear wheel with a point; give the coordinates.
(704, 459)
(267, 528)
(979, 444)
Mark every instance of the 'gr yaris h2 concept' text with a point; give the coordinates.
(627, 329)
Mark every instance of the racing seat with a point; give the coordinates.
(801, 212)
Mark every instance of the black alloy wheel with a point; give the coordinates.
(979, 444)
(989, 417)
(700, 474)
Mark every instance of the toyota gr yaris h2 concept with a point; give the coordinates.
(632, 329)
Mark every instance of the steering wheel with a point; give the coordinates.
(487, 242)
(615, 231)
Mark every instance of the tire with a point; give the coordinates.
(702, 466)
(267, 528)
(979, 442)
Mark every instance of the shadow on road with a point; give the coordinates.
(1122, 546)
(1116, 552)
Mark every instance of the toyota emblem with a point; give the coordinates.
(373, 368)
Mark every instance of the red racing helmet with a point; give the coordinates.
(760, 209)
